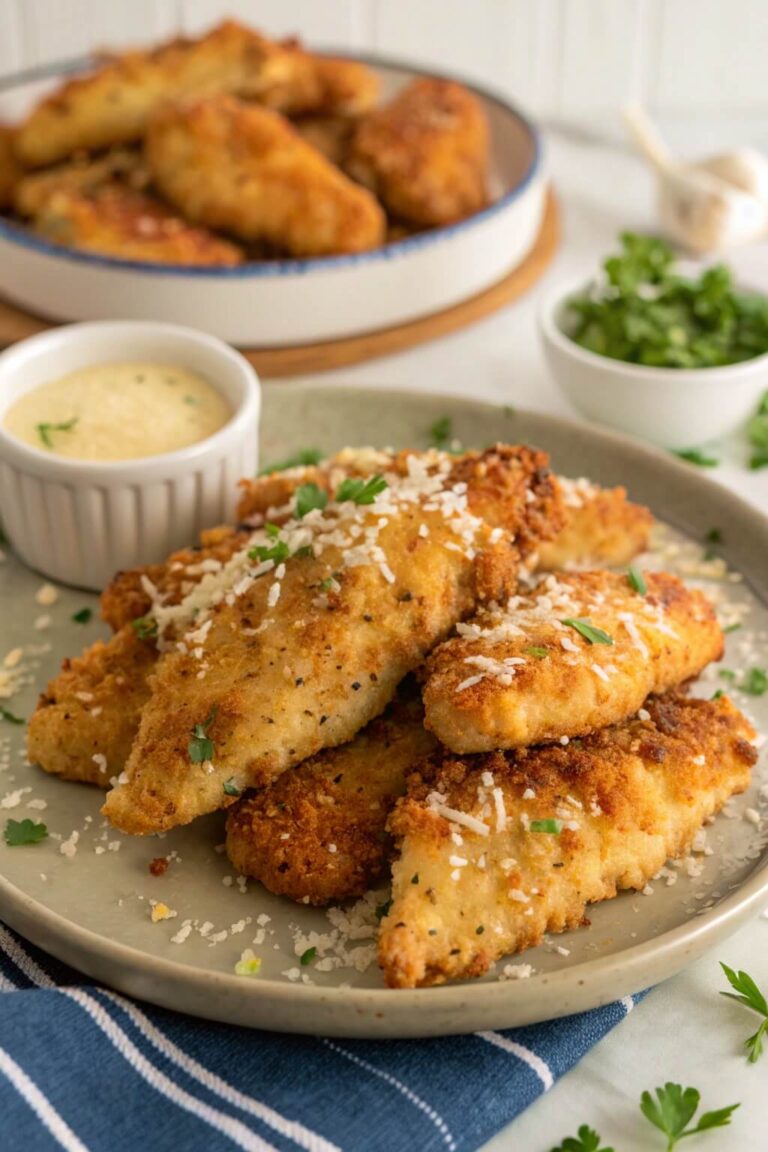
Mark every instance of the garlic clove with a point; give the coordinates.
(745, 168)
(704, 213)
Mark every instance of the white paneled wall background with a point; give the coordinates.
(563, 58)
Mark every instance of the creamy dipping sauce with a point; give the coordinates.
(118, 412)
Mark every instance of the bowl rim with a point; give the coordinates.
(22, 237)
(29, 458)
(554, 334)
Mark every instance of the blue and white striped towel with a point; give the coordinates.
(84, 1069)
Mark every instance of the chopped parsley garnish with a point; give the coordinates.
(589, 631)
(44, 430)
(696, 456)
(83, 616)
(717, 695)
(551, 827)
(305, 457)
(18, 832)
(329, 583)
(200, 747)
(9, 716)
(644, 312)
(674, 1107)
(746, 992)
(278, 552)
(441, 434)
(731, 628)
(636, 580)
(308, 497)
(360, 491)
(145, 627)
(230, 788)
(587, 1140)
(755, 682)
(714, 536)
(727, 674)
(757, 432)
(539, 653)
(308, 956)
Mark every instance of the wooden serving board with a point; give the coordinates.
(276, 363)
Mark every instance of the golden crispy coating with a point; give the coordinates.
(602, 528)
(625, 800)
(522, 675)
(425, 155)
(297, 653)
(330, 135)
(112, 105)
(10, 169)
(87, 718)
(317, 834)
(245, 170)
(34, 191)
(119, 221)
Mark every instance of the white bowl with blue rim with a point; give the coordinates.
(293, 302)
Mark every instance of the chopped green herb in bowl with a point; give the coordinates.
(675, 357)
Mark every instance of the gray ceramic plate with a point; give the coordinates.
(92, 909)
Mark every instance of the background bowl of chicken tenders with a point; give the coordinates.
(293, 302)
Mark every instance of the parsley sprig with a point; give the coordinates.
(673, 1109)
(585, 628)
(360, 491)
(747, 992)
(305, 457)
(44, 430)
(309, 497)
(278, 550)
(18, 832)
(10, 717)
(200, 747)
(587, 1140)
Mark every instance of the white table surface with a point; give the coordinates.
(684, 1031)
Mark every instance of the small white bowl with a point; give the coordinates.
(670, 407)
(79, 522)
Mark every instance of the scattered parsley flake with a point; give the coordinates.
(9, 716)
(309, 497)
(442, 437)
(230, 788)
(717, 695)
(636, 580)
(747, 992)
(308, 956)
(18, 832)
(305, 457)
(551, 827)
(674, 1107)
(727, 674)
(539, 653)
(44, 430)
(754, 682)
(361, 491)
(200, 747)
(83, 616)
(587, 1140)
(145, 627)
(697, 457)
(731, 628)
(757, 433)
(279, 552)
(589, 631)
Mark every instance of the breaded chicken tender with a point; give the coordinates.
(10, 169)
(34, 191)
(304, 637)
(87, 718)
(602, 528)
(244, 169)
(578, 652)
(425, 155)
(330, 135)
(318, 834)
(118, 221)
(547, 831)
(113, 104)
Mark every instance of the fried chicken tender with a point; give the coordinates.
(318, 834)
(330, 135)
(34, 191)
(10, 169)
(119, 221)
(87, 718)
(625, 800)
(113, 104)
(292, 653)
(425, 155)
(523, 674)
(602, 527)
(245, 170)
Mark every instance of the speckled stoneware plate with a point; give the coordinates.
(92, 909)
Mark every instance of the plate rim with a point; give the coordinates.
(595, 981)
(22, 237)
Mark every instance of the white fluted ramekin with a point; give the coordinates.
(79, 522)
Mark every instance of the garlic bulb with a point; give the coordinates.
(711, 205)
